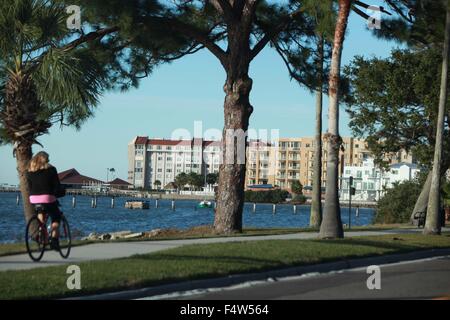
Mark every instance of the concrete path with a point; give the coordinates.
(103, 251)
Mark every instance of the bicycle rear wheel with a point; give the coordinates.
(65, 239)
(35, 239)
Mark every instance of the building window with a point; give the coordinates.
(159, 170)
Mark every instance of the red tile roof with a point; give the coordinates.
(141, 140)
(67, 173)
(72, 176)
(213, 143)
(119, 182)
(164, 142)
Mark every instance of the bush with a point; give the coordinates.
(398, 203)
(298, 199)
(270, 196)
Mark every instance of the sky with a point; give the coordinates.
(188, 90)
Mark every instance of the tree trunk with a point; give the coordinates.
(433, 220)
(22, 125)
(331, 226)
(230, 199)
(316, 201)
(23, 157)
(422, 200)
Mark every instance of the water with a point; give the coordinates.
(84, 219)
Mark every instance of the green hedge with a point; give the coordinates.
(298, 199)
(270, 196)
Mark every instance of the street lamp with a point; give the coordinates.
(352, 192)
(108, 170)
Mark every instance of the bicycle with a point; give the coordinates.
(38, 235)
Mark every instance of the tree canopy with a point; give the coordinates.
(394, 102)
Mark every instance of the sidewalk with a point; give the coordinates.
(104, 251)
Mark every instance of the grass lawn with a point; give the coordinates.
(205, 261)
(201, 232)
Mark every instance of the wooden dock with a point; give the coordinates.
(136, 204)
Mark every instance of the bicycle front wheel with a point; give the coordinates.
(65, 239)
(35, 239)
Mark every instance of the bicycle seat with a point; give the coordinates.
(39, 208)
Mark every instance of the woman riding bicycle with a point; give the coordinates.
(44, 187)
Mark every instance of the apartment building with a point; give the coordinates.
(151, 160)
(292, 159)
(370, 181)
(278, 164)
(260, 163)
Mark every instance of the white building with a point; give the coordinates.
(150, 160)
(370, 182)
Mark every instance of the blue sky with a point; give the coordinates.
(185, 91)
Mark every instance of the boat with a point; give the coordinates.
(137, 204)
(205, 204)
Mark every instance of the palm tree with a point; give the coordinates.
(157, 184)
(308, 65)
(433, 221)
(46, 76)
(181, 180)
(331, 226)
(211, 178)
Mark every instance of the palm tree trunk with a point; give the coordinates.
(316, 201)
(331, 226)
(433, 220)
(23, 157)
(20, 119)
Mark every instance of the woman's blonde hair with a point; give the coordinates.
(39, 162)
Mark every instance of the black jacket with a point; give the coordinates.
(44, 181)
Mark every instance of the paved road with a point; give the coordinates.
(102, 251)
(423, 279)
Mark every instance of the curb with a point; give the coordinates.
(280, 273)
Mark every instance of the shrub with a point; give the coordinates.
(270, 196)
(298, 199)
(398, 203)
